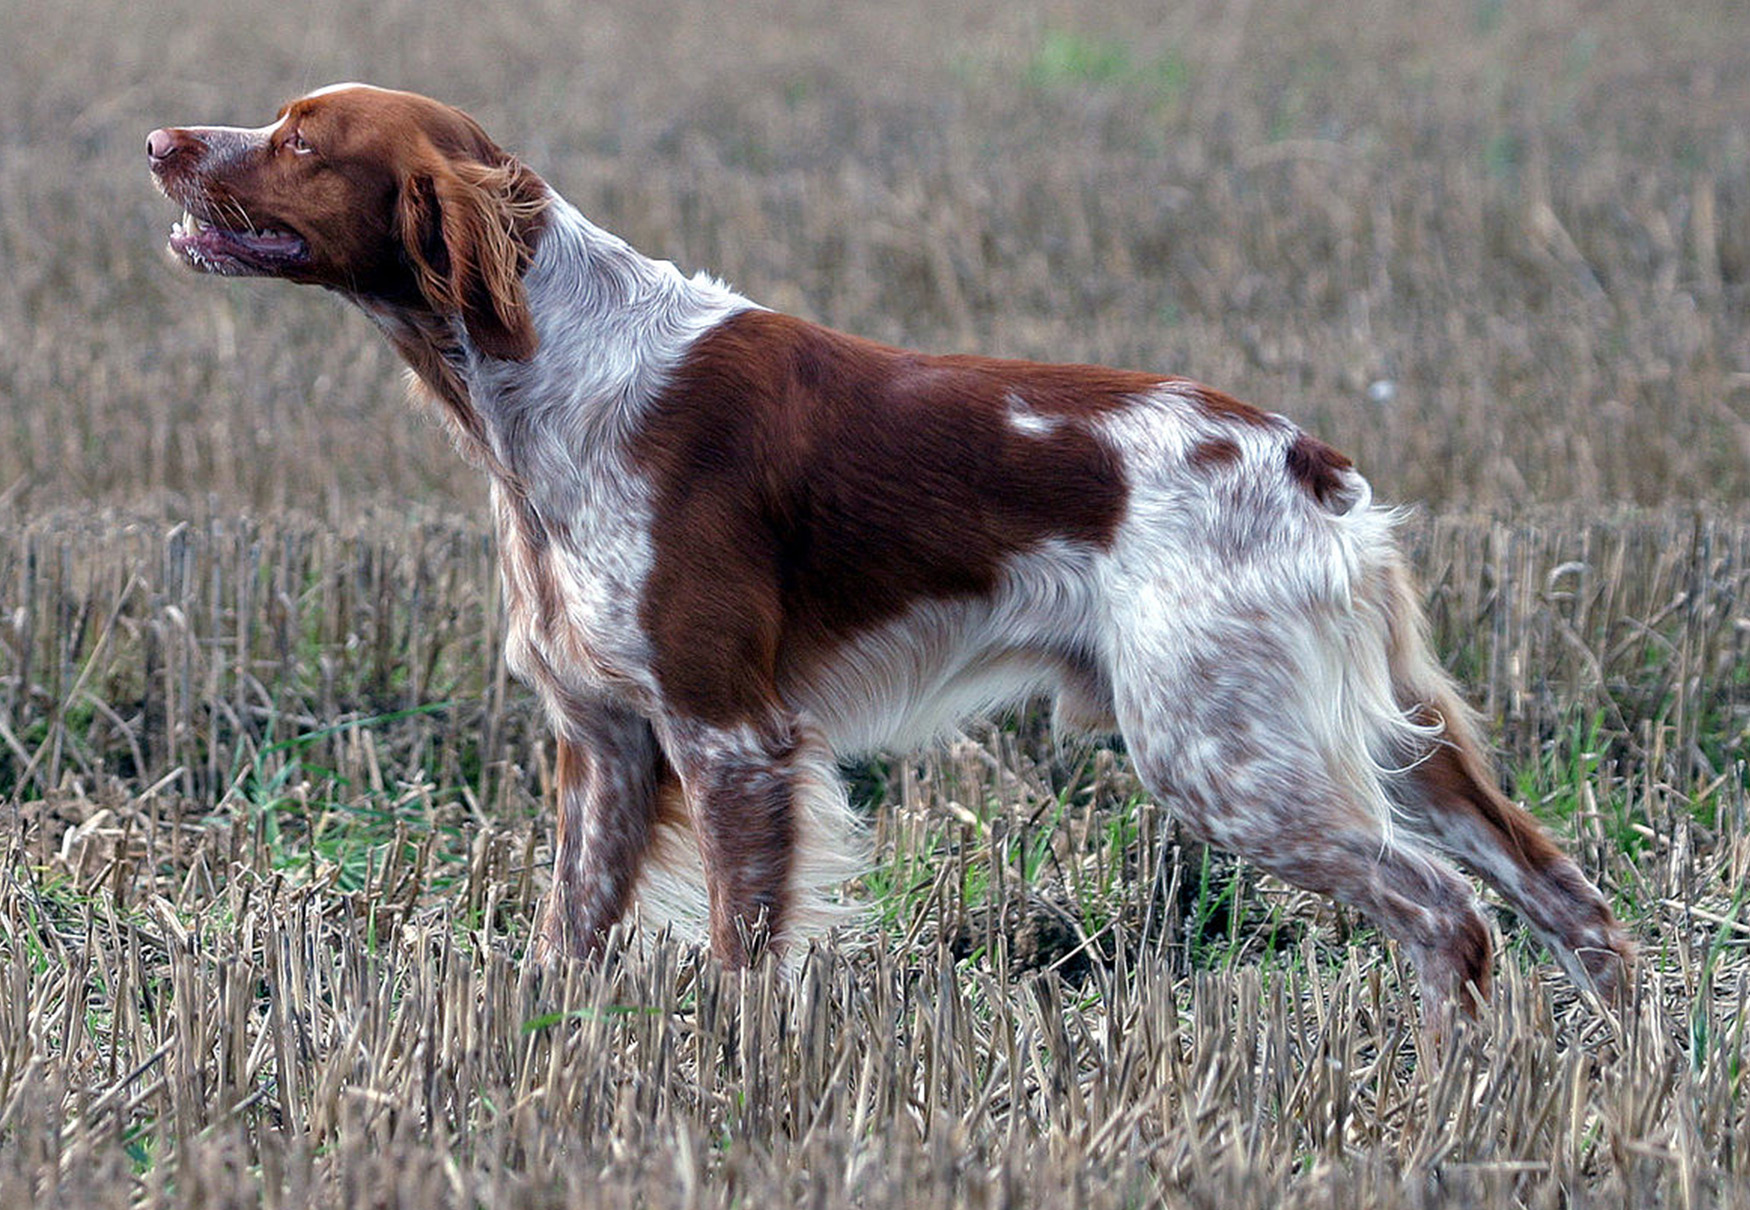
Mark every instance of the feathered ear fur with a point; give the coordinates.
(468, 230)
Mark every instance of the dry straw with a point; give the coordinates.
(271, 828)
(270, 873)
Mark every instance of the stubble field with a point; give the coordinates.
(270, 808)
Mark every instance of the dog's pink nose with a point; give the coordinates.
(161, 145)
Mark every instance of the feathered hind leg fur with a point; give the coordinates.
(1298, 720)
(1447, 793)
(1275, 754)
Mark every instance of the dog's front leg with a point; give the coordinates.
(610, 773)
(740, 785)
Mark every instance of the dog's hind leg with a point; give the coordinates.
(1446, 794)
(1445, 791)
(1242, 783)
(1258, 728)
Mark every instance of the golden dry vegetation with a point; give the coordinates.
(271, 820)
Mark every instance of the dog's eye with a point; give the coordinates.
(294, 142)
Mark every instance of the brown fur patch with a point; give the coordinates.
(1224, 406)
(1213, 454)
(1320, 469)
(1452, 776)
(812, 485)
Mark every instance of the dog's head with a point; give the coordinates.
(390, 197)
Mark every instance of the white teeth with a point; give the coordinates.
(189, 226)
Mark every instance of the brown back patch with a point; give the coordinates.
(810, 486)
(1222, 405)
(1213, 454)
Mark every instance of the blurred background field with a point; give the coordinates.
(1499, 252)
(271, 809)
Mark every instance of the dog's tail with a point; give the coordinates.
(1367, 663)
(1388, 706)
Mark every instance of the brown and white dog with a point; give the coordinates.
(736, 545)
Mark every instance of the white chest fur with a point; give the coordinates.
(574, 527)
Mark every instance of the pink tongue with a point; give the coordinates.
(265, 239)
(273, 243)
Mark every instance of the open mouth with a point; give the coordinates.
(204, 245)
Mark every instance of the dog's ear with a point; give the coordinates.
(467, 230)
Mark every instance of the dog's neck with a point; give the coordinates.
(610, 324)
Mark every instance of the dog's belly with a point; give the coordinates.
(912, 680)
(863, 711)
